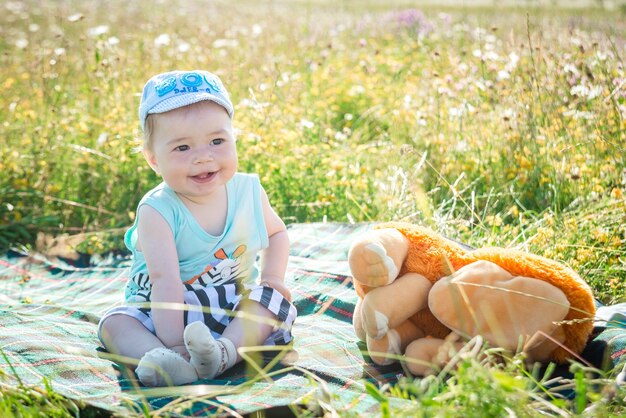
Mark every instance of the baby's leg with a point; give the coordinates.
(127, 337)
(252, 327)
(212, 357)
(158, 365)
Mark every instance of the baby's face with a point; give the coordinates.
(193, 149)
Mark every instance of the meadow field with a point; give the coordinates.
(495, 125)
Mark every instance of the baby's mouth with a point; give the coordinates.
(203, 177)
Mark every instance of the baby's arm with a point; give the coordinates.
(274, 258)
(156, 241)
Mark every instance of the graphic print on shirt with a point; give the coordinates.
(225, 269)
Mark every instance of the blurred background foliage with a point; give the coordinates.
(498, 125)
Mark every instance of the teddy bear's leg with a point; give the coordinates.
(375, 259)
(426, 355)
(387, 307)
(384, 350)
(357, 321)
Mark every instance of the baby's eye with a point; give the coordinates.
(217, 141)
(182, 148)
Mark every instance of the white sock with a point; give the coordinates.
(164, 367)
(209, 356)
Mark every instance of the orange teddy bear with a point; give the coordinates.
(417, 290)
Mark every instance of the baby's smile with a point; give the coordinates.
(204, 177)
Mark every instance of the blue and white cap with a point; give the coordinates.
(174, 89)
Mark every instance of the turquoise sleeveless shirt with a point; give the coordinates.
(205, 259)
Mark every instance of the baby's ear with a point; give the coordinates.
(151, 159)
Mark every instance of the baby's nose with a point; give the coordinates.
(203, 155)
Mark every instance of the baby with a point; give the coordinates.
(195, 294)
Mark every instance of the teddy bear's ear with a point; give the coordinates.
(484, 299)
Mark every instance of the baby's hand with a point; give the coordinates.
(277, 284)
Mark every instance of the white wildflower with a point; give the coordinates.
(455, 112)
(75, 17)
(15, 6)
(570, 68)
(503, 75)
(356, 90)
(603, 55)
(183, 47)
(102, 139)
(509, 114)
(594, 91)
(491, 39)
(162, 40)
(225, 43)
(579, 114)
(512, 64)
(491, 56)
(253, 104)
(98, 31)
(445, 91)
(587, 92)
(305, 123)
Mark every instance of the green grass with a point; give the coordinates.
(35, 401)
(495, 125)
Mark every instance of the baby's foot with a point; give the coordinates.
(164, 367)
(209, 356)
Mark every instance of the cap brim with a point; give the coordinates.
(175, 102)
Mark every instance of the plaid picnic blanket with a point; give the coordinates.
(49, 311)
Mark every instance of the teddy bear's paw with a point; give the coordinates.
(425, 356)
(385, 350)
(375, 323)
(371, 265)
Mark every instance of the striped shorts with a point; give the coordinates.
(215, 307)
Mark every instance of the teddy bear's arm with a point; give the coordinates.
(541, 345)
(425, 356)
(509, 311)
(376, 257)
